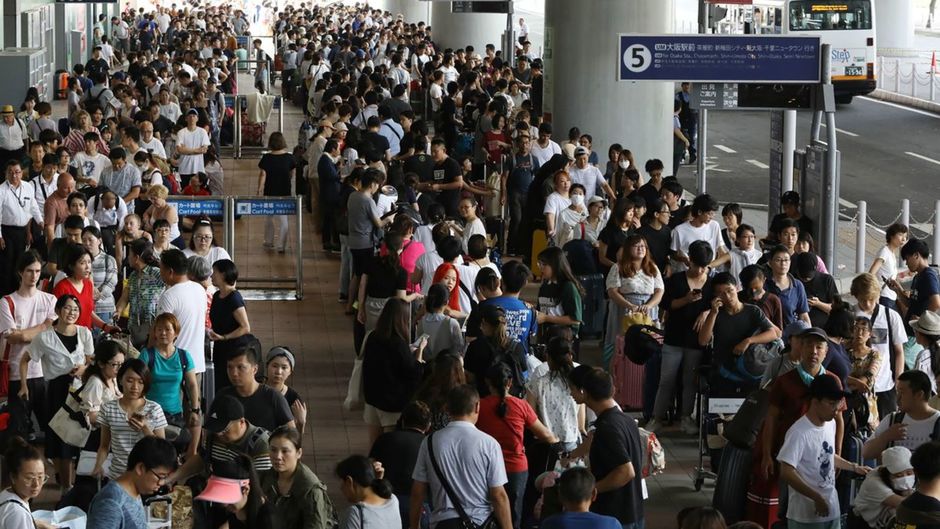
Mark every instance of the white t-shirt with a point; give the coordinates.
(155, 147)
(922, 363)
(14, 511)
(685, 234)
(810, 449)
(428, 264)
(918, 432)
(475, 227)
(450, 74)
(215, 253)
(192, 139)
(91, 166)
(29, 312)
(187, 301)
(556, 204)
(544, 154)
(743, 258)
(590, 177)
(879, 341)
(889, 269)
(868, 502)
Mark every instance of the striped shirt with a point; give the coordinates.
(104, 275)
(254, 444)
(123, 437)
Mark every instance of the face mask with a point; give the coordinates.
(624, 164)
(905, 483)
(577, 200)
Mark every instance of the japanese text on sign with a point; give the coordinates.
(261, 206)
(196, 208)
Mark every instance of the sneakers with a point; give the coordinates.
(653, 425)
(688, 426)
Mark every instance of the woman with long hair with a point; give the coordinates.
(411, 249)
(64, 351)
(230, 328)
(385, 279)
(391, 367)
(635, 285)
(128, 419)
(866, 363)
(556, 202)
(614, 235)
(560, 294)
(494, 345)
(276, 179)
(549, 394)
(150, 175)
(235, 485)
(506, 418)
(447, 372)
(448, 275)
(297, 494)
(104, 273)
(99, 386)
(141, 291)
(363, 486)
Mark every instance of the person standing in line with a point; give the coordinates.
(18, 209)
(191, 143)
(276, 179)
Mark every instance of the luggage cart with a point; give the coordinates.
(710, 409)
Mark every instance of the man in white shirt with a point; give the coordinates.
(13, 136)
(808, 459)
(391, 131)
(915, 422)
(588, 175)
(18, 208)
(450, 72)
(149, 142)
(187, 301)
(191, 143)
(544, 148)
(701, 227)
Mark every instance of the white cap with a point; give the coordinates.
(896, 459)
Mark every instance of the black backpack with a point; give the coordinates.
(581, 256)
(514, 358)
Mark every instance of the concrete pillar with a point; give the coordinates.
(457, 30)
(413, 11)
(581, 87)
(894, 29)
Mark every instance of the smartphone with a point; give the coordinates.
(420, 339)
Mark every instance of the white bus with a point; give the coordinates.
(847, 25)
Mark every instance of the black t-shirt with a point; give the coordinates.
(614, 237)
(264, 519)
(805, 224)
(421, 165)
(373, 144)
(447, 172)
(292, 396)
(821, 286)
(384, 280)
(617, 442)
(277, 170)
(919, 511)
(398, 452)
(265, 408)
(732, 329)
(679, 216)
(648, 192)
(658, 243)
(222, 312)
(837, 361)
(70, 342)
(448, 111)
(678, 330)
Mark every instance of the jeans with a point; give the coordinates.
(404, 508)
(516, 202)
(691, 132)
(675, 359)
(515, 489)
(345, 266)
(276, 224)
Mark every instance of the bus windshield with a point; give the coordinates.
(830, 15)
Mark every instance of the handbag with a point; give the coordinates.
(70, 423)
(5, 361)
(635, 318)
(355, 393)
(65, 518)
(465, 521)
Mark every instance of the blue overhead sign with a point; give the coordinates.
(719, 58)
(265, 206)
(197, 207)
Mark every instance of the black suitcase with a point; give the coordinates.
(594, 306)
(734, 474)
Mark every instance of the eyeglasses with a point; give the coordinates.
(782, 260)
(36, 478)
(203, 237)
(160, 478)
(115, 365)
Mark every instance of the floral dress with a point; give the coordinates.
(867, 366)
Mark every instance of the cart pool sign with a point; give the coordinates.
(719, 58)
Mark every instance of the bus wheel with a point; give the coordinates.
(844, 99)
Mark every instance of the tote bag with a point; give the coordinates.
(355, 394)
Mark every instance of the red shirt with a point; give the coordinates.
(508, 430)
(86, 298)
(188, 190)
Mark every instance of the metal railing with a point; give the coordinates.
(867, 230)
(909, 78)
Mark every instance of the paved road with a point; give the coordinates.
(888, 153)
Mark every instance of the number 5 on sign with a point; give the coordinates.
(637, 58)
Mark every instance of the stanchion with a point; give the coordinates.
(906, 212)
(936, 231)
(897, 76)
(860, 236)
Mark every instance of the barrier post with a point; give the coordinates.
(237, 133)
(300, 248)
(880, 73)
(933, 85)
(913, 80)
(229, 226)
(861, 226)
(906, 212)
(936, 231)
(268, 287)
(897, 76)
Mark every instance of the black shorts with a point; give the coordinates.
(361, 259)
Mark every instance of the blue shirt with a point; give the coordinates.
(166, 377)
(520, 319)
(113, 508)
(522, 173)
(580, 520)
(925, 284)
(792, 300)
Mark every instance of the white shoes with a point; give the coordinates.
(688, 426)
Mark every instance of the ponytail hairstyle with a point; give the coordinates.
(143, 249)
(393, 243)
(360, 470)
(560, 358)
(18, 451)
(498, 376)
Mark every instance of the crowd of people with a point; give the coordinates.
(433, 177)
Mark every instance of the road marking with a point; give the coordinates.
(756, 163)
(847, 133)
(902, 107)
(922, 157)
(728, 150)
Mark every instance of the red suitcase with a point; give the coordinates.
(628, 379)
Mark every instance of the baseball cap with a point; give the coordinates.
(581, 151)
(225, 409)
(569, 151)
(595, 199)
(192, 112)
(826, 387)
(341, 127)
(794, 329)
(814, 331)
(280, 351)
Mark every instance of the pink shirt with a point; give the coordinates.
(409, 259)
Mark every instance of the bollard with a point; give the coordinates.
(897, 76)
(906, 212)
(880, 73)
(936, 231)
(860, 236)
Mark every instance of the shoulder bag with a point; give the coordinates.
(355, 393)
(465, 521)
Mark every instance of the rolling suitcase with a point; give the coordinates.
(539, 243)
(593, 307)
(734, 475)
(628, 379)
(208, 378)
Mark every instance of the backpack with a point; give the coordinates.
(642, 342)
(513, 358)
(898, 416)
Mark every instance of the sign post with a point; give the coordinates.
(266, 207)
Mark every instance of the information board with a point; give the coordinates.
(476, 6)
(266, 206)
(719, 58)
(192, 207)
(751, 96)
